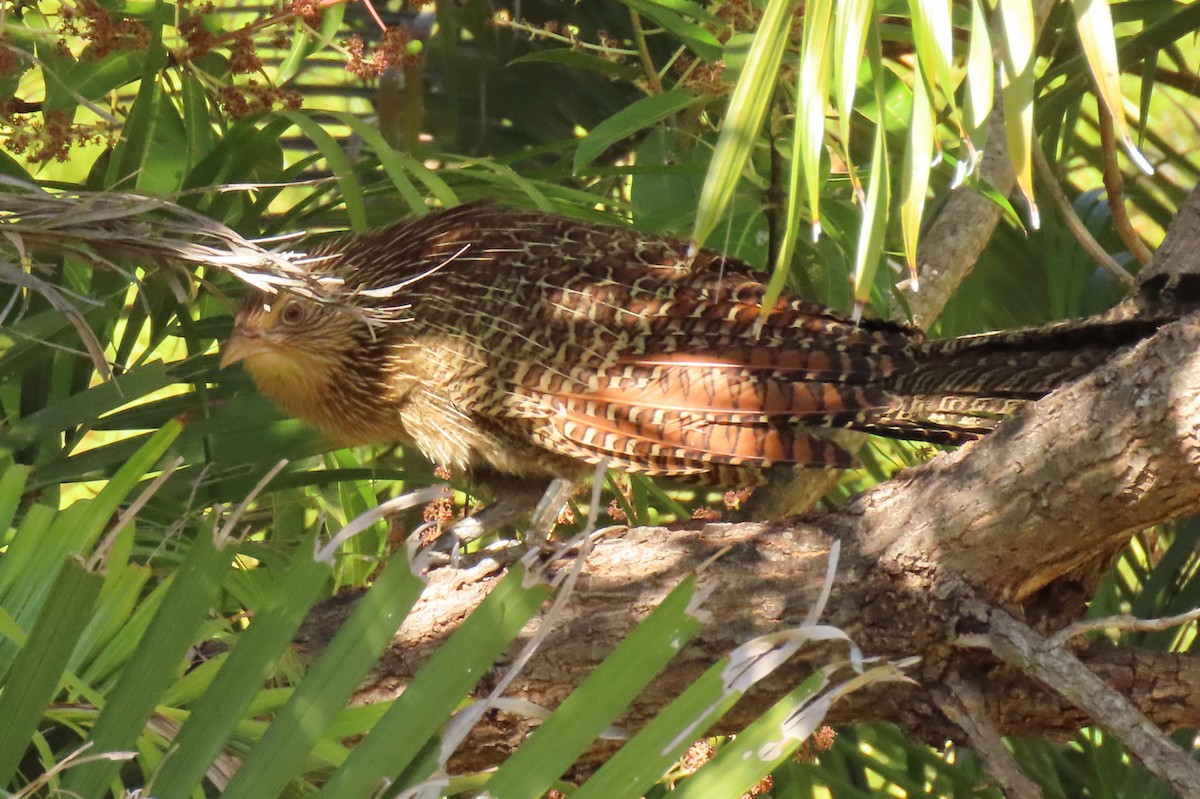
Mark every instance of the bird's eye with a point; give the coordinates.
(292, 314)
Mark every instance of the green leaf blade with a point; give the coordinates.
(438, 688)
(327, 687)
(159, 656)
(642, 114)
(583, 715)
(36, 673)
(1016, 93)
(241, 677)
(352, 193)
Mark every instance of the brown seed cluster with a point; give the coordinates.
(243, 98)
(392, 51)
(9, 61)
(253, 97)
(735, 497)
(43, 134)
(307, 10)
(200, 40)
(104, 34)
(46, 137)
(820, 741)
(701, 77)
(440, 511)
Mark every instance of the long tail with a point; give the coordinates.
(959, 389)
(722, 413)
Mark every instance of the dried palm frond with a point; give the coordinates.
(114, 225)
(108, 229)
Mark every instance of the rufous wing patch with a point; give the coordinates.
(651, 440)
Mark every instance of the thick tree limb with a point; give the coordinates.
(1177, 259)
(1059, 485)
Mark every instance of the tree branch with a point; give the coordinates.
(963, 704)
(1020, 646)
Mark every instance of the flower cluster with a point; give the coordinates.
(103, 34)
(200, 40)
(696, 756)
(243, 99)
(50, 138)
(820, 741)
(396, 49)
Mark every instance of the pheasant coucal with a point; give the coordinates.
(525, 345)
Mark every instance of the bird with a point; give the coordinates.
(525, 345)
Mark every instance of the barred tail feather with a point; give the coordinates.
(939, 419)
(642, 440)
(1017, 364)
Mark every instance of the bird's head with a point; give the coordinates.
(291, 346)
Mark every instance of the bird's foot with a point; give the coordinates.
(550, 507)
(542, 502)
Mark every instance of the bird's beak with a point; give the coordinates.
(239, 347)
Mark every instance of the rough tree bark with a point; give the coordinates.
(1007, 526)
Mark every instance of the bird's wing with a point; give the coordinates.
(638, 439)
(664, 376)
(689, 413)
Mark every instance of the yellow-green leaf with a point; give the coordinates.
(1094, 22)
(808, 137)
(339, 163)
(747, 108)
(980, 80)
(934, 40)
(811, 89)
(643, 114)
(875, 203)
(918, 161)
(849, 36)
(1016, 93)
